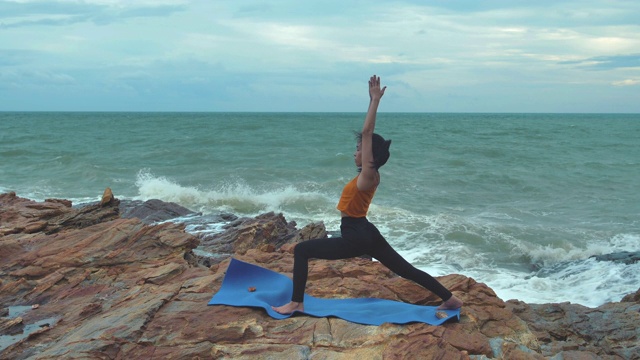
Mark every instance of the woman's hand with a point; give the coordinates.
(375, 93)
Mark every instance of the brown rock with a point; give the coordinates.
(245, 234)
(11, 326)
(91, 309)
(118, 288)
(152, 211)
(314, 230)
(64, 202)
(107, 197)
(20, 216)
(267, 247)
(288, 248)
(610, 329)
(635, 297)
(35, 227)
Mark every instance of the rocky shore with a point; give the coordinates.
(107, 281)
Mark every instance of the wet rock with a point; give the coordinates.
(249, 233)
(11, 326)
(152, 211)
(625, 257)
(635, 297)
(611, 329)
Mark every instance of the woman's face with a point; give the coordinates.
(357, 156)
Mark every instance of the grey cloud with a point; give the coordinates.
(254, 9)
(45, 22)
(607, 62)
(61, 14)
(10, 9)
(153, 11)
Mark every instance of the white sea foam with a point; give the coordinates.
(586, 282)
(566, 274)
(563, 272)
(235, 197)
(437, 243)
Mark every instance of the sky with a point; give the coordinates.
(515, 56)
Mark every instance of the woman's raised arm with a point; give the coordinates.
(369, 175)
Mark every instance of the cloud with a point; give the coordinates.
(608, 62)
(280, 55)
(627, 82)
(35, 79)
(63, 13)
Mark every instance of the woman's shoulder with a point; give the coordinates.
(368, 183)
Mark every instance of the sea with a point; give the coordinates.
(521, 202)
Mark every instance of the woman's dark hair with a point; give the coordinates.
(380, 149)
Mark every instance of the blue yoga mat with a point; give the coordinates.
(272, 288)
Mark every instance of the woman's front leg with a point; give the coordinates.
(328, 249)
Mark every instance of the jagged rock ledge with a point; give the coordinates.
(88, 283)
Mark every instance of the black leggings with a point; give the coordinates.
(359, 237)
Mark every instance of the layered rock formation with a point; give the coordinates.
(87, 283)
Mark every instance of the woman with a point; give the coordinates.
(359, 236)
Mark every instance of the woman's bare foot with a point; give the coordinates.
(452, 304)
(289, 308)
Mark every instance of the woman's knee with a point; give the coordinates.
(299, 250)
(305, 249)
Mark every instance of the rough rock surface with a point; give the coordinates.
(267, 232)
(152, 211)
(114, 288)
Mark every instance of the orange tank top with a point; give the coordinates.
(354, 202)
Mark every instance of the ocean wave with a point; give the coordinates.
(508, 255)
(236, 197)
(587, 282)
